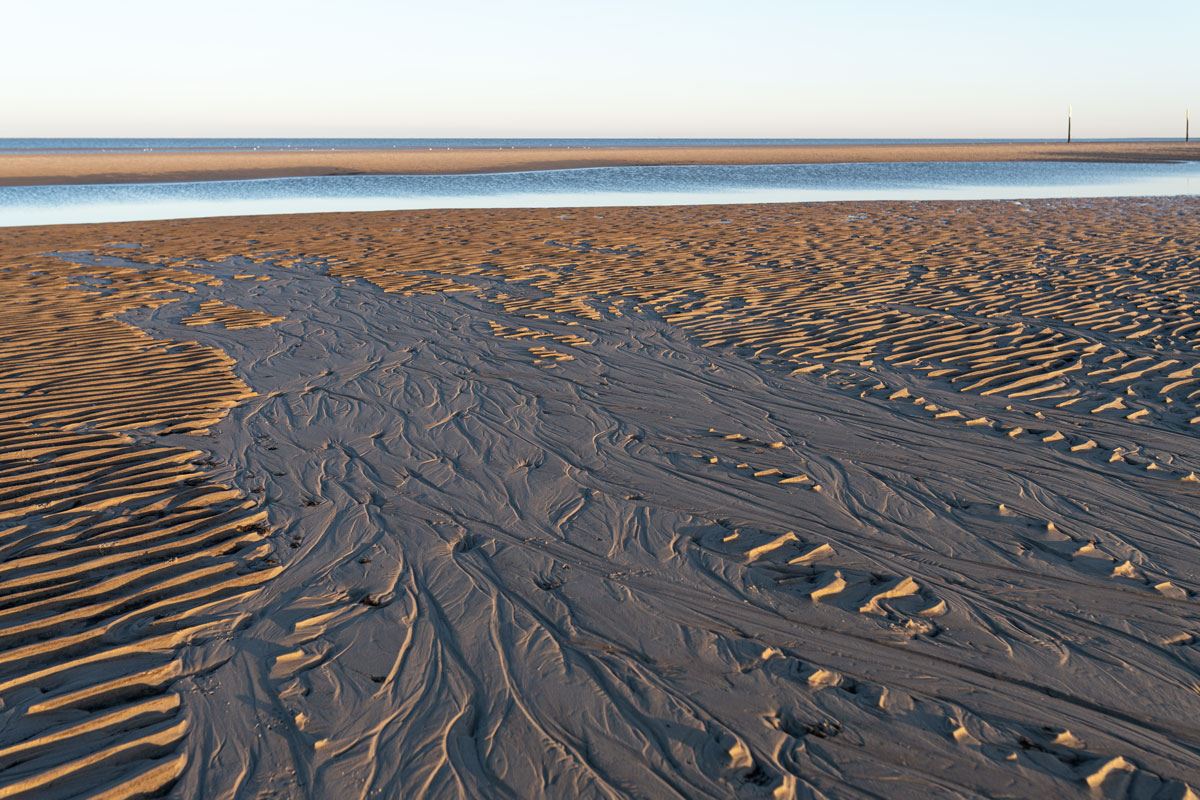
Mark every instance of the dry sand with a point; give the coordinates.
(820, 501)
(137, 167)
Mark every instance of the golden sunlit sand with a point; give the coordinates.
(761, 501)
(18, 169)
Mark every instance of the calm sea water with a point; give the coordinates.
(602, 186)
(110, 145)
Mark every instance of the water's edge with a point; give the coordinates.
(597, 186)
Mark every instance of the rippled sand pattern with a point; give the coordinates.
(765, 501)
(1095, 312)
(115, 553)
(214, 312)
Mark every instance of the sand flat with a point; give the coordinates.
(22, 169)
(465, 502)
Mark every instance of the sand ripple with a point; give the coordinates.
(779, 501)
(117, 553)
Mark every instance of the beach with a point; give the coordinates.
(829, 500)
(21, 169)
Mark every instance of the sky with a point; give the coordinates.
(620, 68)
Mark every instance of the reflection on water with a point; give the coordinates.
(602, 186)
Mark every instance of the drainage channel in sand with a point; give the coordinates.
(669, 501)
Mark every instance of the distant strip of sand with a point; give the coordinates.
(143, 167)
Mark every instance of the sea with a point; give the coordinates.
(95, 145)
(577, 187)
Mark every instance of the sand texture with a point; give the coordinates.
(140, 167)
(843, 500)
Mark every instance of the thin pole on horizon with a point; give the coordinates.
(1187, 125)
(1068, 124)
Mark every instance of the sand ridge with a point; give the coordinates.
(117, 552)
(214, 312)
(824, 499)
(141, 167)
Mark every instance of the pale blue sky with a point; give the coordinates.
(618, 68)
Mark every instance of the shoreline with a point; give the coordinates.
(370, 215)
(44, 169)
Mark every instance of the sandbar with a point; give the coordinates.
(142, 167)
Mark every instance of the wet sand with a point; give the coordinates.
(140, 167)
(840, 500)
